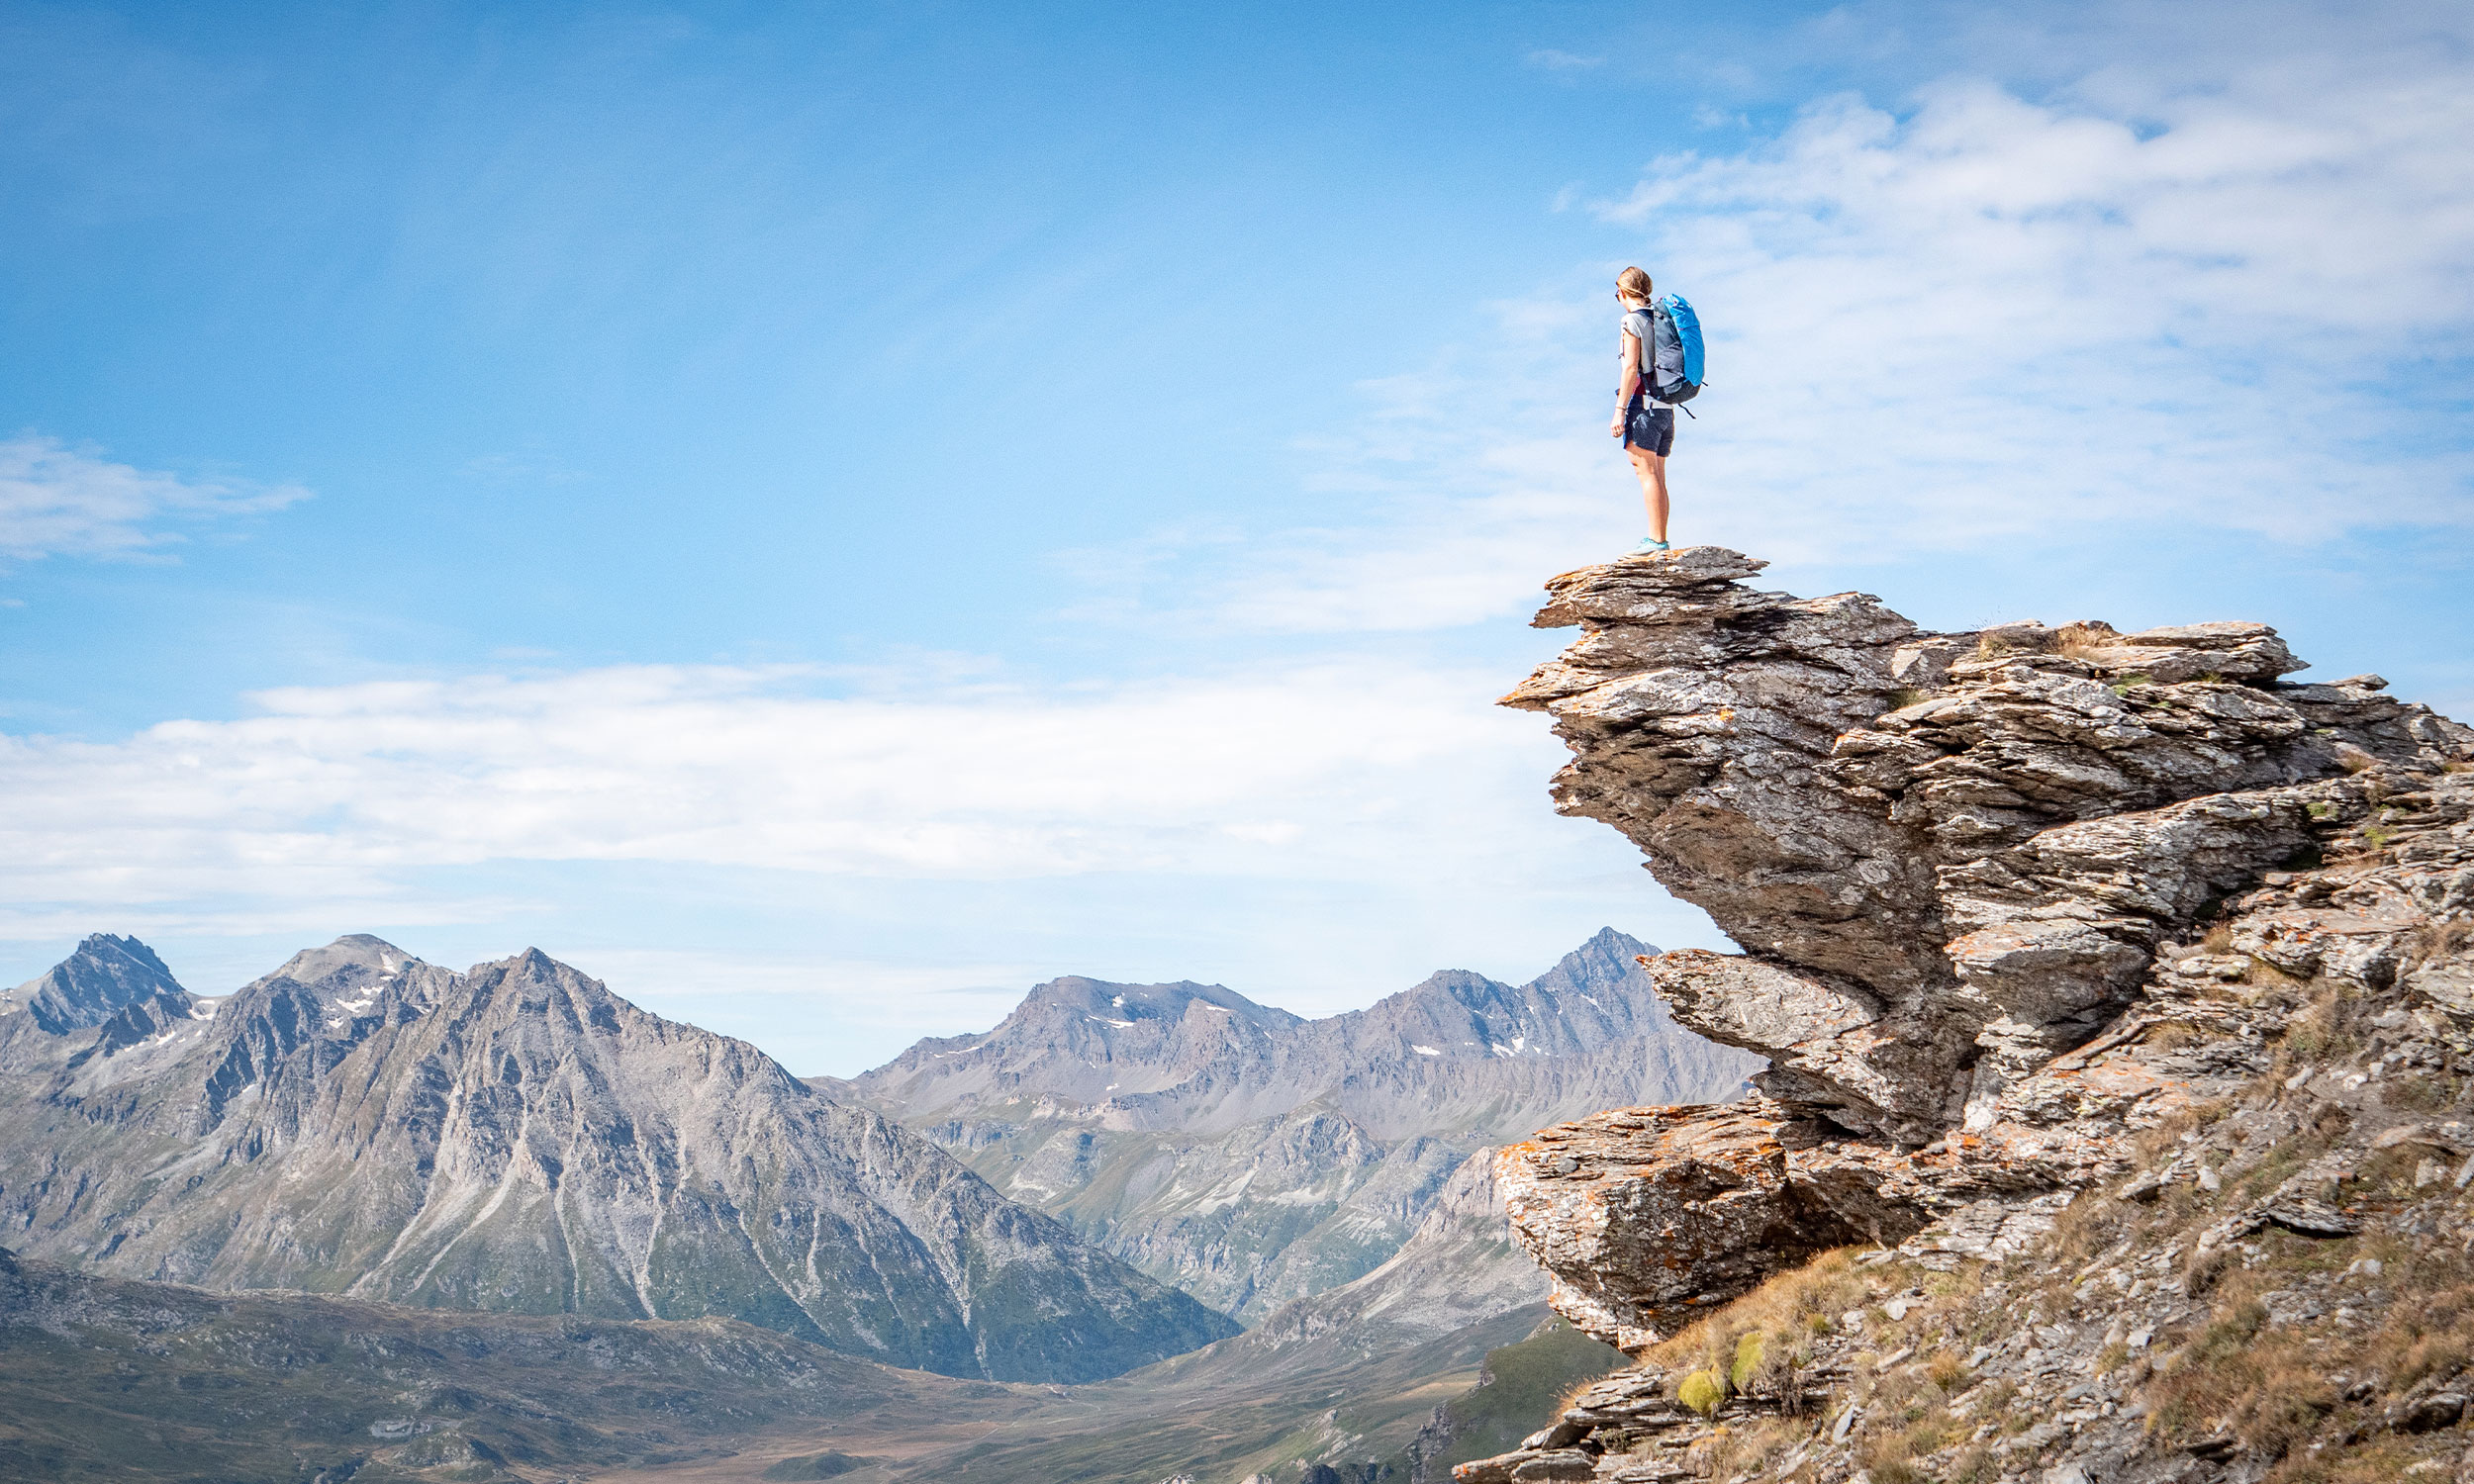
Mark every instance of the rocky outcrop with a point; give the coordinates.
(2005, 899)
(1252, 1157)
(2286, 1277)
(519, 1139)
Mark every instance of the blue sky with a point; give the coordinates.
(824, 515)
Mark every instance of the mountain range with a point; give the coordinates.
(1101, 1185)
(1251, 1157)
(517, 1139)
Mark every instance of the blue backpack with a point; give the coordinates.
(1676, 359)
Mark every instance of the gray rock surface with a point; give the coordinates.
(1948, 858)
(1953, 861)
(2038, 923)
(1253, 1157)
(92, 984)
(519, 1139)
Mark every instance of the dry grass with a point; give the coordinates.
(2288, 1157)
(2427, 1092)
(1761, 1342)
(2381, 1461)
(1909, 1419)
(2261, 974)
(2078, 641)
(2171, 1035)
(1747, 1447)
(2278, 1389)
(2433, 1333)
(2442, 940)
(2320, 1030)
(2272, 1387)
(2239, 1376)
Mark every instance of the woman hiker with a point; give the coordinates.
(1646, 424)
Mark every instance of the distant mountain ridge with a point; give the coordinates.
(519, 1139)
(1253, 1157)
(90, 986)
(1204, 1058)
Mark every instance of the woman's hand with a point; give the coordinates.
(1616, 428)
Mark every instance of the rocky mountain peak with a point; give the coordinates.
(519, 1136)
(1202, 1057)
(1110, 1008)
(1253, 1157)
(1973, 876)
(92, 984)
(353, 956)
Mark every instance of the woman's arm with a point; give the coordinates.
(1631, 382)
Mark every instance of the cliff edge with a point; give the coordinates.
(2014, 904)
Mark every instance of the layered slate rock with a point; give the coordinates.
(1972, 874)
(519, 1139)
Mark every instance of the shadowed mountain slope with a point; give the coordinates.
(519, 1139)
(117, 1379)
(92, 984)
(112, 1379)
(1252, 1157)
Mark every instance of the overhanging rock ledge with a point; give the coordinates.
(1977, 877)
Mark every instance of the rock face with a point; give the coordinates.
(519, 1139)
(1251, 1157)
(92, 984)
(1459, 1268)
(1999, 897)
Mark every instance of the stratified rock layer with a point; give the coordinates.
(1973, 875)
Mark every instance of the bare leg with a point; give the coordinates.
(1651, 469)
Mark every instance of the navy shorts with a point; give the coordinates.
(1649, 429)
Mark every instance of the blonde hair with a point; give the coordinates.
(1633, 282)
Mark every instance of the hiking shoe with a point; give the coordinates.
(1647, 545)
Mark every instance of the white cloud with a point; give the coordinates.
(1562, 61)
(2184, 294)
(335, 801)
(59, 501)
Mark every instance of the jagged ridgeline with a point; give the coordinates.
(1252, 1157)
(517, 1139)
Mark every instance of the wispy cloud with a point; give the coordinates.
(342, 796)
(59, 501)
(2167, 297)
(1562, 61)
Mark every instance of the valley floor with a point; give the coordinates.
(114, 1379)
